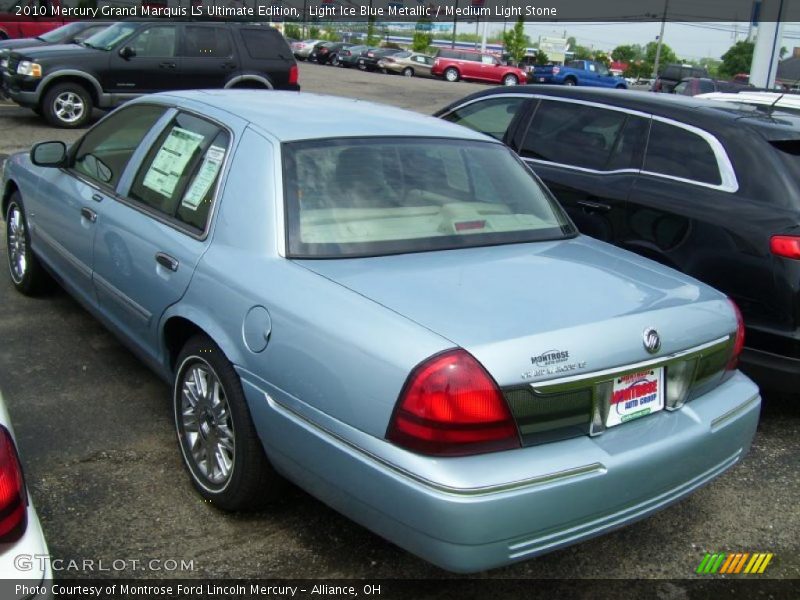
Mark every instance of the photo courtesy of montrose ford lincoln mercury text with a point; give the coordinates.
(428, 345)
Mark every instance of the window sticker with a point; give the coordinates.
(205, 178)
(168, 165)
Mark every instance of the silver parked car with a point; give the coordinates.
(390, 310)
(410, 64)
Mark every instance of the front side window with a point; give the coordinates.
(491, 117)
(677, 152)
(104, 152)
(179, 175)
(375, 196)
(155, 42)
(573, 134)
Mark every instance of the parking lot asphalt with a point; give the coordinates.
(101, 459)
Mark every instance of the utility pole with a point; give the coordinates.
(660, 40)
(484, 36)
(455, 23)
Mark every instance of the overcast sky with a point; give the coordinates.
(689, 40)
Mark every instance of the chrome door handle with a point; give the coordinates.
(97, 197)
(594, 206)
(88, 214)
(166, 261)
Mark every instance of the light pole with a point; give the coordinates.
(660, 40)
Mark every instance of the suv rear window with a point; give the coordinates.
(264, 43)
(207, 42)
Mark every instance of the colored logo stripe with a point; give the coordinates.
(734, 563)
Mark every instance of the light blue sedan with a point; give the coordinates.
(392, 312)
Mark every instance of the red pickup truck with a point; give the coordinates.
(28, 18)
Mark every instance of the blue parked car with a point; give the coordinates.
(389, 310)
(578, 72)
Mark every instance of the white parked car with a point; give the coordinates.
(784, 102)
(24, 558)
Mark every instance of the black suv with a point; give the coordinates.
(707, 188)
(64, 82)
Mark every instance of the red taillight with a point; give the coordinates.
(13, 497)
(293, 75)
(450, 406)
(787, 246)
(738, 343)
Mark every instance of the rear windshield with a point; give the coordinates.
(376, 196)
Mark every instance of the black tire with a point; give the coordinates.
(60, 105)
(251, 481)
(570, 81)
(334, 62)
(361, 66)
(451, 74)
(29, 277)
(510, 79)
(408, 72)
(622, 87)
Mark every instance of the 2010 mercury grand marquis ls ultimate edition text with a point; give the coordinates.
(427, 345)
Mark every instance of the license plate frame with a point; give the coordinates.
(636, 395)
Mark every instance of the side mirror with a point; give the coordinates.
(49, 154)
(127, 52)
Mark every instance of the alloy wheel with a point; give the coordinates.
(17, 245)
(206, 426)
(68, 107)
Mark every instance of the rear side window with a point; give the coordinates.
(449, 54)
(491, 117)
(573, 134)
(677, 152)
(178, 177)
(207, 42)
(264, 43)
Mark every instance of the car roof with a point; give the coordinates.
(687, 109)
(291, 116)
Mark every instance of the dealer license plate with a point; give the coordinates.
(636, 395)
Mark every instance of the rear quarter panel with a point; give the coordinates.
(329, 349)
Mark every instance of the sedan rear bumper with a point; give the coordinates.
(474, 513)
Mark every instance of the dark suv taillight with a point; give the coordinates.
(293, 75)
(450, 406)
(787, 246)
(13, 497)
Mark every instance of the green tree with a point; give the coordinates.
(515, 41)
(313, 32)
(737, 59)
(423, 37)
(581, 52)
(626, 53)
(542, 58)
(291, 30)
(602, 57)
(372, 38)
(667, 56)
